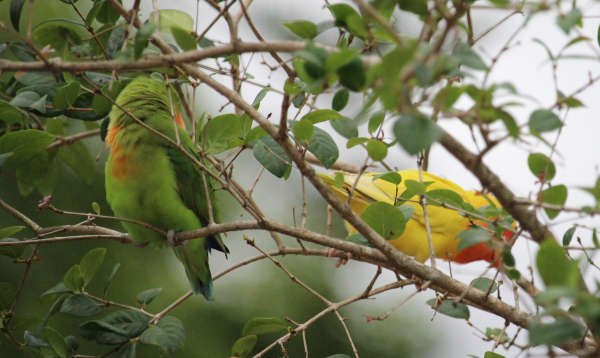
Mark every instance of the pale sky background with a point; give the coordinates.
(525, 65)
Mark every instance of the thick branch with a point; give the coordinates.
(165, 60)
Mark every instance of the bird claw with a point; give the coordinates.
(171, 238)
(342, 258)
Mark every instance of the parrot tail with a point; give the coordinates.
(194, 257)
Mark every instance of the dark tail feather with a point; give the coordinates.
(215, 242)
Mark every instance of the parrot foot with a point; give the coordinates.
(171, 238)
(343, 258)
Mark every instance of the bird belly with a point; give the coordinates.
(150, 196)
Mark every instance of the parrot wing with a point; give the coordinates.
(190, 185)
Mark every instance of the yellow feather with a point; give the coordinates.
(445, 223)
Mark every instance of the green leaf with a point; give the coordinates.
(169, 18)
(81, 306)
(111, 277)
(73, 279)
(418, 7)
(115, 42)
(340, 58)
(338, 180)
(56, 342)
(415, 132)
(375, 121)
(244, 346)
(25, 99)
(168, 334)
(413, 188)
(553, 295)
(303, 130)
(507, 257)
(298, 99)
(387, 220)
(543, 120)
(485, 284)
(184, 38)
(78, 158)
(555, 195)
(254, 134)
(31, 340)
(128, 351)
(377, 149)
(347, 17)
(90, 264)
(57, 289)
(445, 196)
(569, 20)
(592, 190)
(345, 127)
(304, 29)
(274, 158)
(353, 142)
(147, 296)
(264, 325)
(66, 95)
(16, 6)
(10, 231)
(450, 308)
(142, 37)
(60, 34)
(358, 239)
(106, 13)
(568, 236)
(81, 107)
(561, 331)
(340, 99)
(115, 328)
(541, 166)
(101, 104)
(10, 114)
(223, 132)
(322, 115)
(472, 237)
(498, 335)
(489, 354)
(447, 97)
(392, 177)
(310, 63)
(352, 75)
(555, 267)
(469, 58)
(323, 147)
(341, 12)
(260, 96)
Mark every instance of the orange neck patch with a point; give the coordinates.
(121, 166)
(179, 120)
(112, 134)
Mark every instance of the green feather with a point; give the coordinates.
(150, 180)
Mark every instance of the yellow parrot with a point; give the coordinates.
(445, 223)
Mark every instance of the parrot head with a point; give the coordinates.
(144, 100)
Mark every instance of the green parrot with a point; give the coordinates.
(148, 179)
